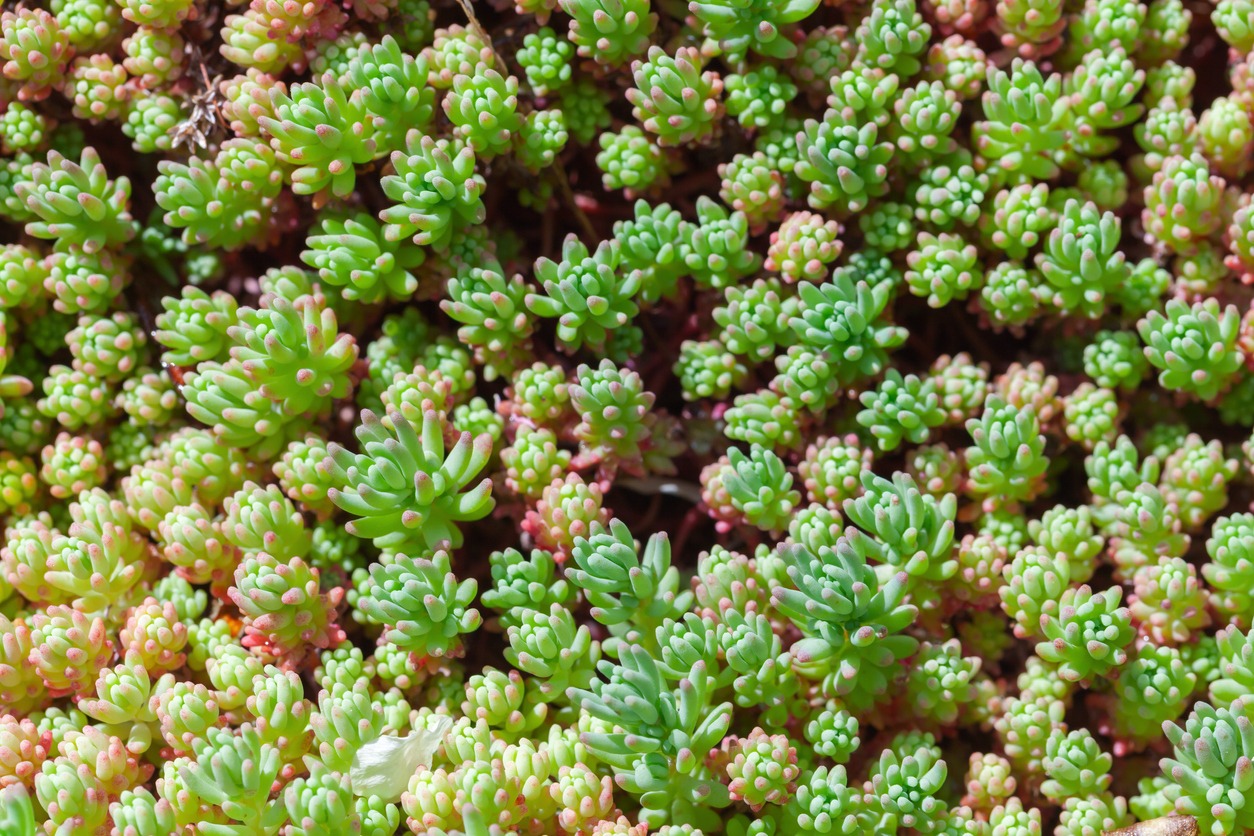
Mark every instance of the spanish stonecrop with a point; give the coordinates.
(901, 408)
(601, 416)
(1231, 551)
(404, 491)
(586, 293)
(198, 198)
(1024, 98)
(942, 269)
(1081, 263)
(77, 204)
(1007, 461)
(1194, 347)
(1199, 763)
(436, 189)
(845, 164)
(673, 98)
(352, 252)
(842, 609)
(291, 349)
(36, 51)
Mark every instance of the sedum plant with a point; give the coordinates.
(1194, 347)
(760, 484)
(609, 33)
(585, 293)
(845, 164)
(436, 190)
(424, 507)
(674, 98)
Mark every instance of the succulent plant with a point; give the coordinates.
(1182, 203)
(764, 418)
(715, 252)
(565, 510)
(845, 164)
(1023, 96)
(1181, 367)
(1114, 359)
(1024, 730)
(1228, 548)
(708, 369)
(752, 186)
(23, 129)
(843, 316)
(939, 682)
(942, 268)
(1087, 635)
(1153, 688)
(36, 49)
(833, 577)
(901, 408)
(989, 782)
(1008, 458)
(284, 612)
(481, 107)
(1076, 765)
(76, 202)
(1195, 478)
(68, 649)
(631, 160)
(291, 349)
(436, 190)
(1192, 752)
(888, 226)
(652, 243)
(1091, 414)
(1070, 533)
(353, 253)
(585, 293)
(609, 33)
(701, 688)
(832, 469)
(833, 734)
(760, 488)
(192, 194)
(758, 98)
(1080, 261)
(1012, 294)
(674, 98)
(434, 506)
(1035, 583)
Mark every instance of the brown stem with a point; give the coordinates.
(690, 521)
(655, 505)
(563, 183)
(546, 232)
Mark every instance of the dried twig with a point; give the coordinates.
(205, 118)
(469, 9)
